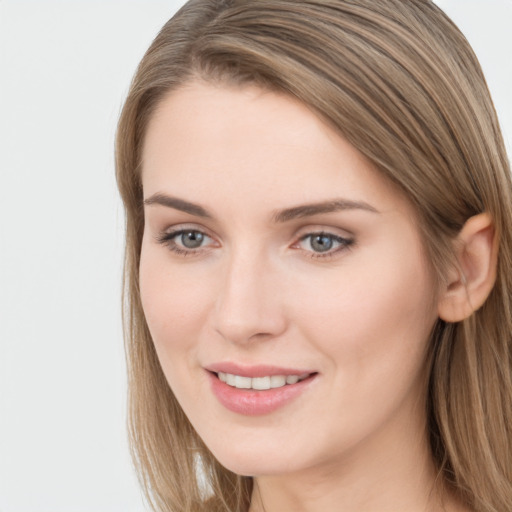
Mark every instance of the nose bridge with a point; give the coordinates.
(248, 304)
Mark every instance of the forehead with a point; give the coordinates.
(213, 142)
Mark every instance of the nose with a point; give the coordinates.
(248, 305)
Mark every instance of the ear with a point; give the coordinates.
(471, 281)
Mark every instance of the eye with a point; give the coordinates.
(323, 244)
(190, 239)
(185, 241)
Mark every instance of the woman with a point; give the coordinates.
(318, 290)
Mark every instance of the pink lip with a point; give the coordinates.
(251, 402)
(254, 370)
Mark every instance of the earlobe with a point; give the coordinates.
(470, 283)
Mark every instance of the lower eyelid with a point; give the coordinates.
(168, 239)
(337, 252)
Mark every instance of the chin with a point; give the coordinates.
(253, 461)
(254, 468)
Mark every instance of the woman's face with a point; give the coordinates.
(276, 258)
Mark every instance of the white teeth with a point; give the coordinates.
(277, 381)
(292, 379)
(259, 383)
(242, 382)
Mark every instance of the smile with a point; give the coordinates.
(257, 390)
(260, 383)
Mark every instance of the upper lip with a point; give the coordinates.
(260, 370)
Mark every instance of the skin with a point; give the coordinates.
(256, 292)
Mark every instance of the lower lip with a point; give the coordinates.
(254, 403)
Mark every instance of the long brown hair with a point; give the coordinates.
(399, 81)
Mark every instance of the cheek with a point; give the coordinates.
(173, 303)
(373, 318)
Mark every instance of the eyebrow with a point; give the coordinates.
(178, 204)
(334, 205)
(281, 216)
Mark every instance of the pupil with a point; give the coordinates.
(321, 243)
(192, 239)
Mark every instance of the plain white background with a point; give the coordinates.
(65, 67)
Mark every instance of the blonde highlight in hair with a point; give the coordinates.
(399, 81)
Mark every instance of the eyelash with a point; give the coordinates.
(344, 244)
(168, 239)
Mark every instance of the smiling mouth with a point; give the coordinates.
(261, 383)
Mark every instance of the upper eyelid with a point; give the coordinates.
(174, 232)
(344, 240)
(177, 228)
(325, 230)
(325, 233)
